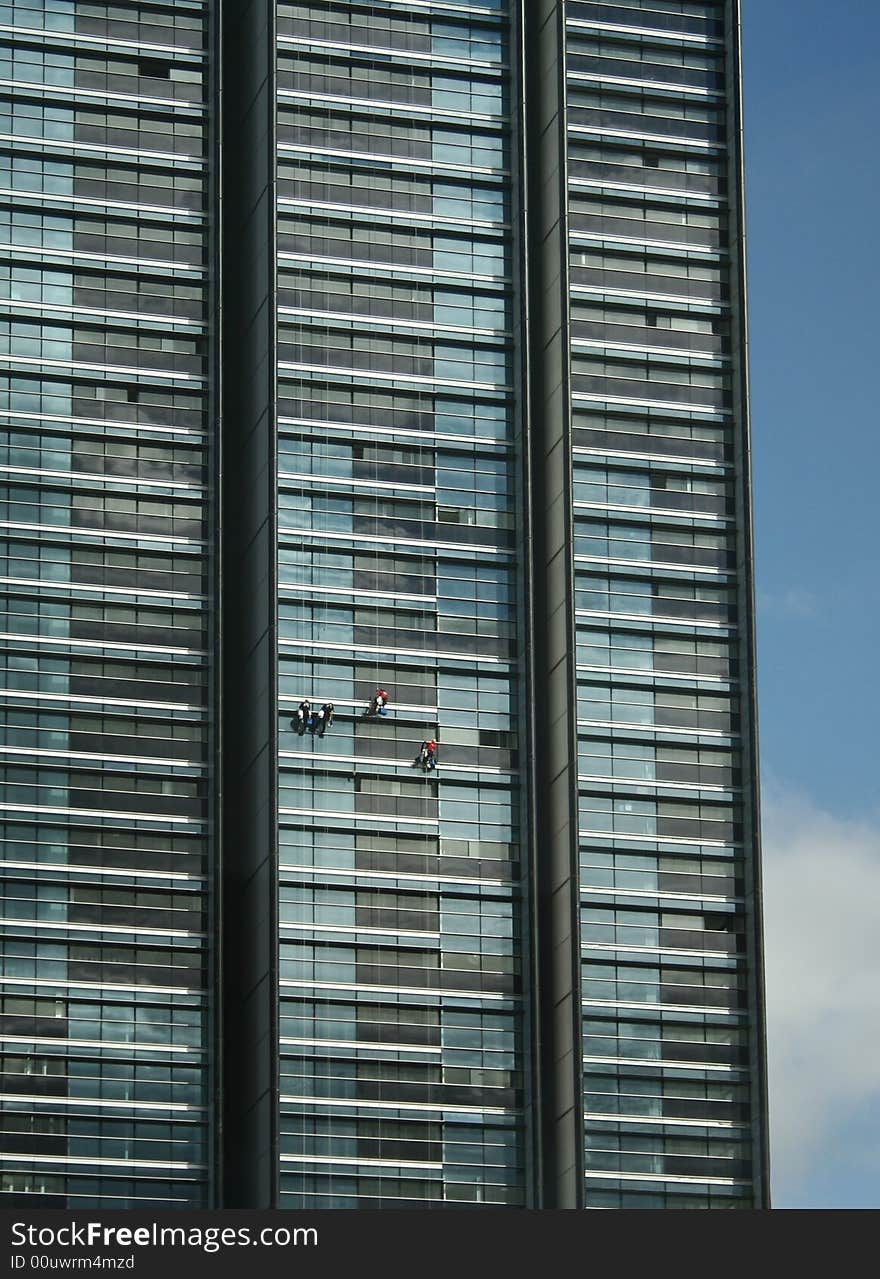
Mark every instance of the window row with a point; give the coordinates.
(384, 82)
(411, 33)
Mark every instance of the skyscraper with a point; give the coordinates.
(433, 385)
(109, 456)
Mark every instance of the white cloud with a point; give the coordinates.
(821, 895)
(793, 604)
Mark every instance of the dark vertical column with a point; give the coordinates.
(249, 610)
(746, 610)
(214, 922)
(520, 201)
(554, 638)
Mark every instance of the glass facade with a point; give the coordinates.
(663, 850)
(446, 364)
(106, 624)
(400, 970)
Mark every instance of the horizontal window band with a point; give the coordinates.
(80, 1104)
(460, 550)
(76, 703)
(101, 265)
(659, 898)
(64, 1045)
(693, 623)
(65, 425)
(388, 109)
(72, 1163)
(661, 731)
(710, 467)
(354, 819)
(662, 679)
(615, 838)
(636, 136)
(357, 485)
(108, 264)
(654, 571)
(189, 770)
(109, 876)
(113, 209)
(666, 1064)
(292, 875)
(693, 519)
(77, 96)
(451, 772)
(364, 654)
(106, 373)
(101, 648)
(629, 297)
(144, 820)
(471, 998)
(621, 951)
(422, 558)
(635, 404)
(445, 1109)
(411, 228)
(339, 932)
(292, 590)
(667, 1178)
(349, 51)
(406, 164)
(391, 215)
(41, 930)
(668, 248)
(431, 61)
(675, 302)
(477, 9)
(640, 193)
(357, 706)
(645, 785)
(665, 88)
(357, 168)
(366, 270)
(631, 353)
(669, 570)
(362, 1049)
(93, 151)
(103, 322)
(146, 761)
(62, 988)
(295, 428)
(345, 1161)
(658, 1121)
(112, 538)
(83, 482)
(654, 34)
(65, 431)
(382, 270)
(442, 386)
(81, 42)
(641, 1010)
(59, 587)
(346, 322)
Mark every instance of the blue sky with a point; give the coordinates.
(813, 191)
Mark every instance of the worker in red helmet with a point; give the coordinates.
(427, 757)
(379, 703)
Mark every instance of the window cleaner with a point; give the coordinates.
(427, 756)
(303, 716)
(379, 703)
(323, 719)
